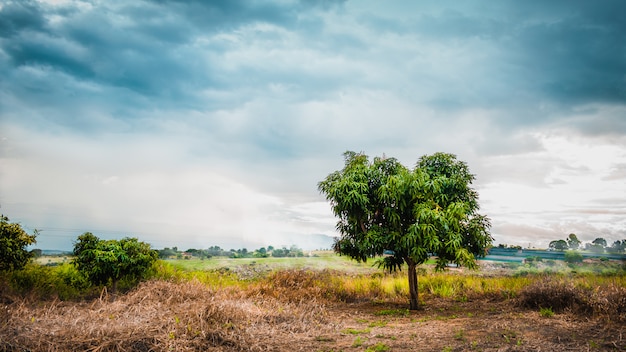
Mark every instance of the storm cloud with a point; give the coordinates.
(208, 122)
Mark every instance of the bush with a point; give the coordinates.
(556, 295)
(43, 282)
(112, 261)
(573, 257)
(13, 243)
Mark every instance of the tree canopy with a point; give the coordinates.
(558, 245)
(104, 261)
(572, 241)
(407, 215)
(13, 243)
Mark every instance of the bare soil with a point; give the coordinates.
(165, 316)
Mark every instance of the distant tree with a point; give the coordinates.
(270, 248)
(599, 242)
(108, 261)
(166, 253)
(572, 241)
(280, 253)
(294, 251)
(13, 243)
(618, 246)
(216, 251)
(595, 248)
(383, 207)
(558, 245)
(260, 253)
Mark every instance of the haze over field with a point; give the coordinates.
(199, 123)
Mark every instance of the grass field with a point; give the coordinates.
(321, 303)
(319, 260)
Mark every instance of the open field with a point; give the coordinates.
(309, 306)
(318, 260)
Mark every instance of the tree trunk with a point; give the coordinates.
(413, 299)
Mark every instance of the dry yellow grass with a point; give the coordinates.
(311, 310)
(158, 316)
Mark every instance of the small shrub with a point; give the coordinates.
(43, 282)
(379, 347)
(358, 342)
(610, 302)
(546, 312)
(573, 257)
(558, 295)
(459, 335)
(352, 331)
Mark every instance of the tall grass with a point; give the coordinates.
(45, 282)
(64, 282)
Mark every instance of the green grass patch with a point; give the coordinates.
(351, 331)
(546, 312)
(379, 347)
(393, 312)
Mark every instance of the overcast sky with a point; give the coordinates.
(198, 123)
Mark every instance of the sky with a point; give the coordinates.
(198, 123)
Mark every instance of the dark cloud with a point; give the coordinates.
(19, 16)
(532, 62)
(576, 60)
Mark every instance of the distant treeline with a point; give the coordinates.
(521, 254)
(217, 251)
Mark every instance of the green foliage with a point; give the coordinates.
(104, 261)
(573, 257)
(618, 247)
(352, 331)
(62, 281)
(599, 242)
(379, 347)
(546, 312)
(358, 342)
(558, 245)
(166, 253)
(407, 215)
(287, 252)
(13, 242)
(572, 241)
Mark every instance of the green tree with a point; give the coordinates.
(618, 246)
(558, 245)
(599, 242)
(596, 246)
(108, 261)
(280, 253)
(572, 241)
(260, 253)
(13, 243)
(166, 253)
(409, 215)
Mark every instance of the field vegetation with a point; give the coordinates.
(319, 303)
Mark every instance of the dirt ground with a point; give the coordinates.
(464, 326)
(162, 316)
